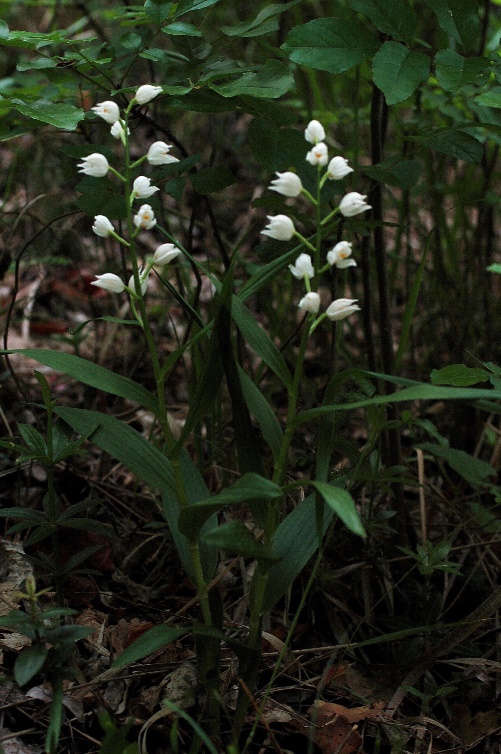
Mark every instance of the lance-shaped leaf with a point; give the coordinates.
(156, 638)
(91, 374)
(250, 488)
(235, 537)
(459, 375)
(343, 504)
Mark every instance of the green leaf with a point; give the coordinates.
(57, 114)
(454, 71)
(186, 6)
(265, 22)
(181, 29)
(250, 488)
(92, 374)
(296, 542)
(403, 174)
(396, 18)
(29, 663)
(492, 98)
(212, 179)
(260, 341)
(235, 537)
(31, 40)
(330, 44)
(458, 19)
(496, 267)
(4, 30)
(150, 642)
(275, 148)
(416, 392)
(270, 81)
(398, 71)
(343, 504)
(131, 41)
(157, 11)
(455, 142)
(100, 196)
(459, 375)
(33, 440)
(475, 471)
(262, 412)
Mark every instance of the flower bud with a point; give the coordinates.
(118, 131)
(165, 254)
(109, 282)
(146, 93)
(310, 303)
(108, 110)
(314, 132)
(95, 165)
(158, 154)
(102, 226)
(353, 204)
(342, 308)
(142, 188)
(338, 256)
(318, 155)
(280, 227)
(143, 282)
(338, 167)
(303, 267)
(145, 218)
(288, 184)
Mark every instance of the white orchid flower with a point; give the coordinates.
(303, 268)
(339, 256)
(146, 93)
(145, 217)
(95, 165)
(102, 226)
(314, 132)
(142, 188)
(280, 227)
(318, 155)
(109, 111)
(338, 168)
(342, 308)
(158, 154)
(287, 184)
(165, 254)
(110, 282)
(310, 303)
(353, 204)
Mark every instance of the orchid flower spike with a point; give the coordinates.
(342, 308)
(95, 165)
(142, 188)
(158, 154)
(314, 132)
(146, 93)
(303, 268)
(108, 110)
(338, 168)
(287, 184)
(318, 155)
(145, 218)
(353, 204)
(109, 282)
(338, 256)
(280, 227)
(310, 303)
(102, 226)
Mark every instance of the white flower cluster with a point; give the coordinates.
(97, 166)
(281, 227)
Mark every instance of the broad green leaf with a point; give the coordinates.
(492, 98)
(157, 11)
(100, 196)
(235, 537)
(458, 18)
(181, 29)
(271, 80)
(31, 40)
(212, 179)
(459, 375)
(275, 148)
(38, 64)
(454, 142)
(250, 488)
(186, 6)
(57, 114)
(262, 412)
(150, 642)
(474, 470)
(403, 174)
(29, 663)
(330, 44)
(416, 392)
(343, 504)
(296, 542)
(454, 71)
(396, 17)
(398, 71)
(92, 374)
(131, 41)
(260, 341)
(265, 22)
